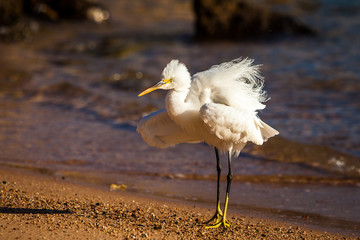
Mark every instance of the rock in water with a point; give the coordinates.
(242, 20)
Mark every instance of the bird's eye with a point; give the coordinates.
(168, 80)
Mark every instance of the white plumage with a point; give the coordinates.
(217, 106)
(158, 130)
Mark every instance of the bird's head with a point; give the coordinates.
(174, 76)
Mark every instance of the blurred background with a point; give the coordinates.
(70, 72)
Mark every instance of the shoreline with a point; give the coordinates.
(35, 206)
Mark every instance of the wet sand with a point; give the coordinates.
(37, 206)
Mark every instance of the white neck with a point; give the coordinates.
(175, 102)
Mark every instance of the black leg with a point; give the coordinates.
(229, 180)
(229, 176)
(218, 212)
(218, 168)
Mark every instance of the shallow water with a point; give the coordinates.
(69, 107)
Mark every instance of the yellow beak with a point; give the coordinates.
(155, 87)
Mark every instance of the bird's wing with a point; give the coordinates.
(234, 126)
(158, 130)
(236, 83)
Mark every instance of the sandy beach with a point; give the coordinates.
(44, 207)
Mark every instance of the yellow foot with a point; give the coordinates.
(223, 222)
(220, 220)
(216, 217)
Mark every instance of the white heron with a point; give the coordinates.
(217, 106)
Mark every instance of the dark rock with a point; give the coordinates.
(65, 9)
(10, 12)
(13, 25)
(17, 16)
(242, 20)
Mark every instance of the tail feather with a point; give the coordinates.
(267, 131)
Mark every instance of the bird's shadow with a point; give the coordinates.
(10, 210)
